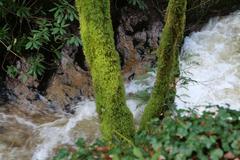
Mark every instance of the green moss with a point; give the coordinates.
(164, 88)
(98, 44)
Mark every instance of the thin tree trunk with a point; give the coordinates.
(162, 96)
(99, 49)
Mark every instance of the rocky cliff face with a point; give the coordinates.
(137, 39)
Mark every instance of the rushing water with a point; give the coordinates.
(211, 59)
(209, 64)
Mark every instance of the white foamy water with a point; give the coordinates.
(211, 58)
(62, 131)
(68, 130)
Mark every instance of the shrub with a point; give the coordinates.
(34, 32)
(139, 3)
(183, 136)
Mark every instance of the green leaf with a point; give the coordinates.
(207, 142)
(12, 71)
(62, 154)
(80, 142)
(36, 68)
(216, 154)
(23, 12)
(180, 156)
(4, 32)
(236, 146)
(23, 78)
(115, 157)
(137, 152)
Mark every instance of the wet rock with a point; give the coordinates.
(72, 83)
(37, 112)
(140, 37)
(69, 109)
(137, 38)
(126, 50)
(153, 34)
(133, 20)
(6, 95)
(2, 129)
(89, 126)
(14, 136)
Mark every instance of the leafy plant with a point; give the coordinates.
(23, 12)
(64, 11)
(35, 29)
(74, 41)
(36, 67)
(33, 43)
(139, 3)
(12, 71)
(4, 32)
(184, 136)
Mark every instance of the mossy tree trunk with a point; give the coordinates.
(162, 96)
(98, 44)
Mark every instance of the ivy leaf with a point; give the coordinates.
(180, 156)
(216, 154)
(137, 152)
(182, 132)
(80, 142)
(62, 154)
(207, 142)
(236, 146)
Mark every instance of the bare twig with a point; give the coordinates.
(10, 50)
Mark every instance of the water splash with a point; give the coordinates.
(210, 58)
(61, 131)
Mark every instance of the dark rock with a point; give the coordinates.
(66, 86)
(2, 129)
(153, 34)
(137, 36)
(6, 95)
(68, 109)
(140, 37)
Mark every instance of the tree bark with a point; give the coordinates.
(162, 96)
(102, 57)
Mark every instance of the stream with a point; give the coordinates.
(210, 75)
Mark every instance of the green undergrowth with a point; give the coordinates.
(186, 135)
(33, 34)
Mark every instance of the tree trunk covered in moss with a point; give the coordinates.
(99, 49)
(163, 92)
